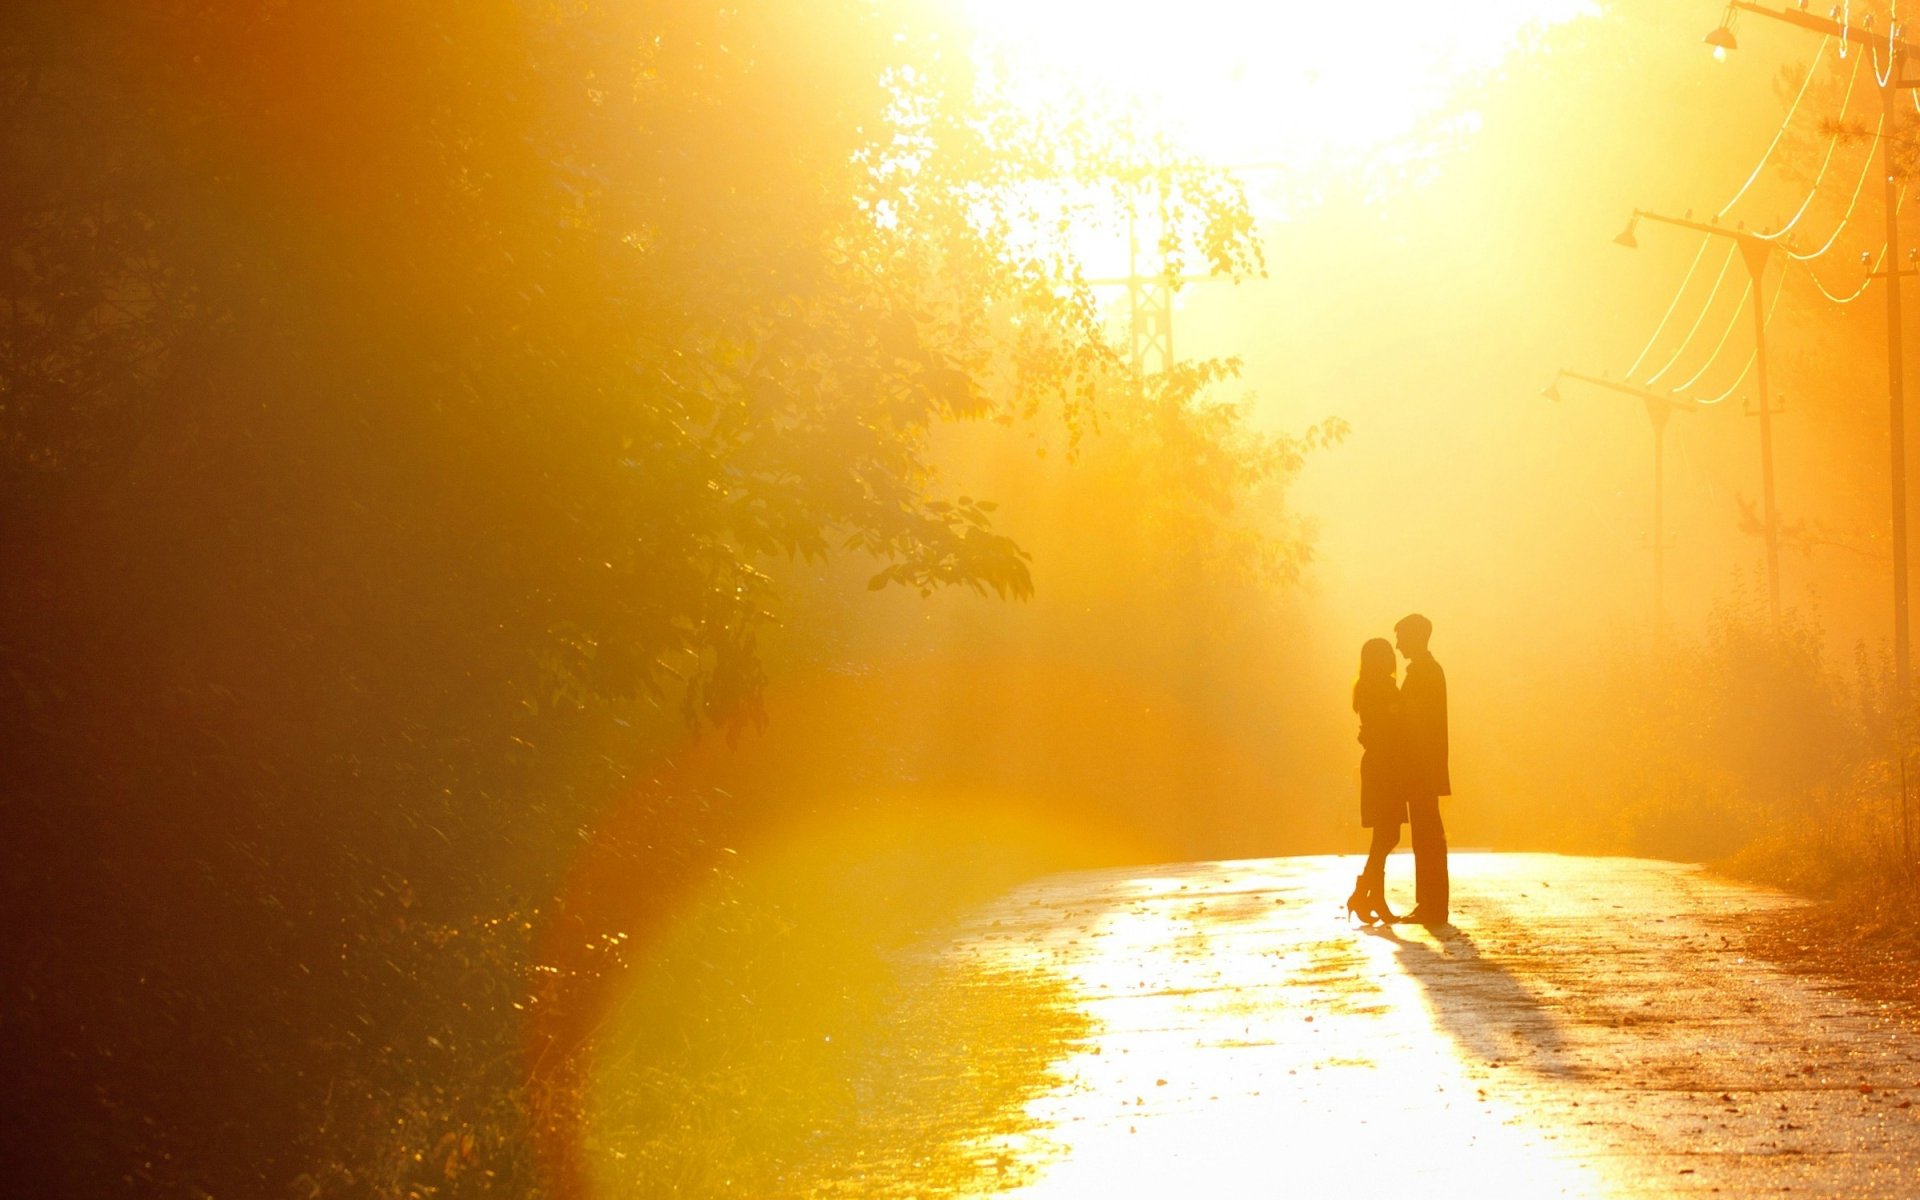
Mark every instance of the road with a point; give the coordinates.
(1587, 1027)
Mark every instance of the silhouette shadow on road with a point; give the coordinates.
(1482, 1006)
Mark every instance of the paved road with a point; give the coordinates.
(1588, 1027)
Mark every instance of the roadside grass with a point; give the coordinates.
(1845, 846)
(799, 1032)
(1847, 852)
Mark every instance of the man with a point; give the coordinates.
(1424, 699)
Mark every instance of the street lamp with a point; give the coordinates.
(1755, 251)
(1722, 39)
(1659, 408)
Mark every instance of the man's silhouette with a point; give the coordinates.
(1424, 697)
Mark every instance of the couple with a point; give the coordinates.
(1403, 772)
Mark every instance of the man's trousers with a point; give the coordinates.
(1429, 839)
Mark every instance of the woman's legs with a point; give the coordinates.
(1385, 838)
(1369, 899)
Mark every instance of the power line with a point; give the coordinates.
(1893, 27)
(1673, 304)
(1752, 355)
(1865, 163)
(1758, 168)
(1778, 133)
(1732, 320)
(1833, 143)
(1686, 341)
(1867, 281)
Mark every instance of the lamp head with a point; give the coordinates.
(1625, 236)
(1722, 39)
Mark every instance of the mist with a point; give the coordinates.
(552, 552)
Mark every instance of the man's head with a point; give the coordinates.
(1411, 634)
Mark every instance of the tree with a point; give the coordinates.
(384, 386)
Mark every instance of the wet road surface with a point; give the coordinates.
(1587, 1027)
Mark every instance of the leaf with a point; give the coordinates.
(956, 391)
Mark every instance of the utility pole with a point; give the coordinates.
(1659, 408)
(1149, 297)
(1898, 53)
(1753, 251)
(1896, 371)
(1150, 283)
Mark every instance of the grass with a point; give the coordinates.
(1847, 852)
(800, 1033)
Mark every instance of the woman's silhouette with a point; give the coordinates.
(1383, 774)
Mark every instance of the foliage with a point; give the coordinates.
(396, 401)
(1849, 836)
(1206, 484)
(1746, 734)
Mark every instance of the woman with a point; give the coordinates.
(1383, 793)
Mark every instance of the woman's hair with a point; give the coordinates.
(1377, 664)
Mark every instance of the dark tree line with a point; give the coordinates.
(391, 392)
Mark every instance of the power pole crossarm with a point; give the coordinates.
(1641, 214)
(1753, 248)
(1627, 389)
(1851, 31)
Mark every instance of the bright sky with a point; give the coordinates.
(1317, 86)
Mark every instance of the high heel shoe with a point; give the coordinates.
(1360, 903)
(1369, 903)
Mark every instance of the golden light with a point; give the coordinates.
(1212, 1045)
(1312, 86)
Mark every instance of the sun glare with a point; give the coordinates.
(1315, 87)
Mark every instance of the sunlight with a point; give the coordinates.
(1244, 1036)
(787, 599)
(1314, 87)
(789, 1031)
